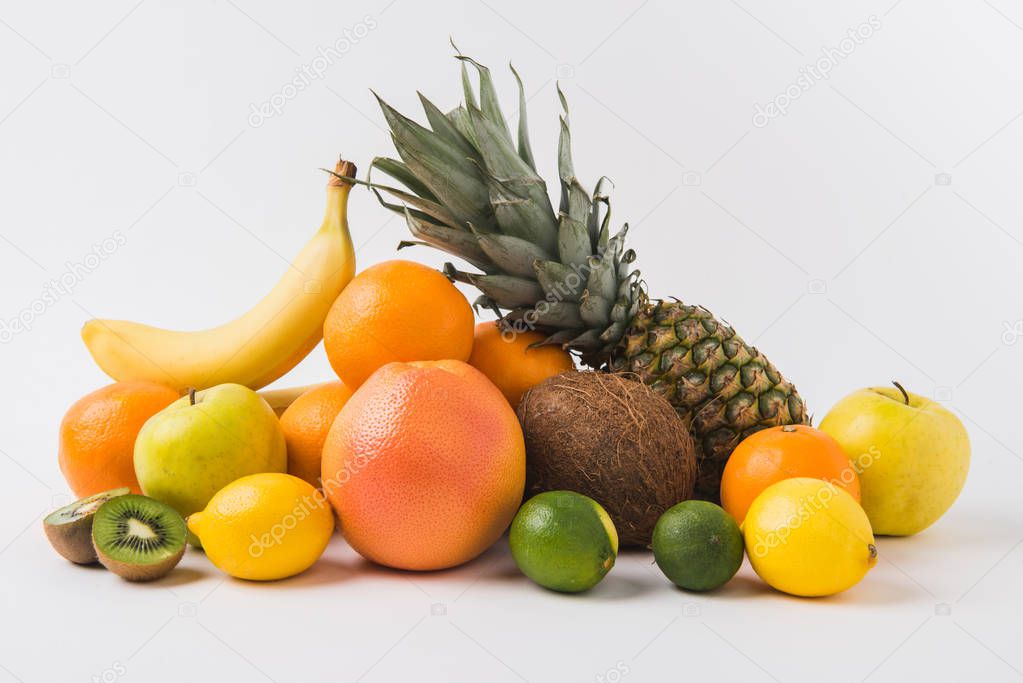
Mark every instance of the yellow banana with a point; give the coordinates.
(280, 399)
(256, 348)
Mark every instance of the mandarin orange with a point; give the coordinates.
(506, 358)
(97, 435)
(396, 311)
(305, 424)
(778, 453)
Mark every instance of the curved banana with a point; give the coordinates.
(256, 348)
(280, 399)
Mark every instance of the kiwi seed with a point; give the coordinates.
(138, 538)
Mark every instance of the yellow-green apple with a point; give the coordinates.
(200, 443)
(911, 453)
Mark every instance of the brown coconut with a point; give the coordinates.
(611, 438)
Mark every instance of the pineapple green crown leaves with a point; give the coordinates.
(473, 191)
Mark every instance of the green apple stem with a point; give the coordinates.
(191, 396)
(905, 394)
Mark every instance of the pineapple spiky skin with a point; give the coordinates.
(721, 386)
(471, 189)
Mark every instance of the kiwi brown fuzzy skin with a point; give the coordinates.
(612, 438)
(73, 540)
(140, 572)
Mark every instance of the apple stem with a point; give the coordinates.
(905, 394)
(191, 396)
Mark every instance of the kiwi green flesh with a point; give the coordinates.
(138, 538)
(69, 529)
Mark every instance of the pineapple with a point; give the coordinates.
(472, 190)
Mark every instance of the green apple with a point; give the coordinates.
(911, 453)
(202, 442)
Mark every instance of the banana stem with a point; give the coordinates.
(339, 177)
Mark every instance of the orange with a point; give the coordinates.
(506, 359)
(778, 453)
(396, 311)
(305, 424)
(97, 435)
(425, 465)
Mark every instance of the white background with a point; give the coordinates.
(872, 232)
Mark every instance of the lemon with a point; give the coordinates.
(808, 537)
(264, 527)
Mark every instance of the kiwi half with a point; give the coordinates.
(138, 538)
(70, 528)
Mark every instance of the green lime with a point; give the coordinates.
(563, 541)
(697, 545)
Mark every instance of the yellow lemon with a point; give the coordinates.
(264, 526)
(808, 537)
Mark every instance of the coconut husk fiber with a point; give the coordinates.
(613, 439)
